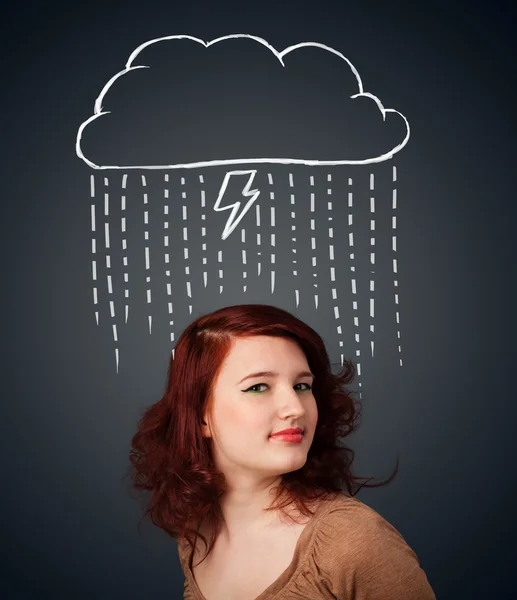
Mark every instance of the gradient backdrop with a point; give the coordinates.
(68, 526)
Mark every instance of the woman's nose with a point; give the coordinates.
(290, 400)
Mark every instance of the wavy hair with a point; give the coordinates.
(172, 460)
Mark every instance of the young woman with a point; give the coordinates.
(273, 505)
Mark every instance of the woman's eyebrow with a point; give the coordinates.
(273, 374)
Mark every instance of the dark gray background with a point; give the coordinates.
(68, 524)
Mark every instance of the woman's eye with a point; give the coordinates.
(253, 388)
(308, 386)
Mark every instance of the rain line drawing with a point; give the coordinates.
(232, 172)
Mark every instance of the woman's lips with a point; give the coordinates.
(288, 437)
(288, 431)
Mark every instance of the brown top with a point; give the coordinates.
(347, 551)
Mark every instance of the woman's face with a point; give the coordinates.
(247, 410)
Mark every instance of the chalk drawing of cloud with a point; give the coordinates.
(236, 100)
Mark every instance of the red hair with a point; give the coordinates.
(171, 459)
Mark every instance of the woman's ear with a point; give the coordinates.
(205, 429)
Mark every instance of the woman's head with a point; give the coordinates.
(263, 386)
(210, 426)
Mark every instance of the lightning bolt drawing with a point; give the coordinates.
(232, 221)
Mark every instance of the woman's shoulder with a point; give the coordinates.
(352, 526)
(355, 547)
(347, 513)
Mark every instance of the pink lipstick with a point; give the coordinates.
(288, 435)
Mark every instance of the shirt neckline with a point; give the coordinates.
(285, 578)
